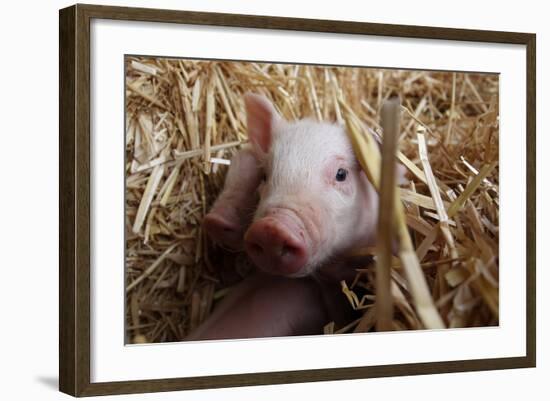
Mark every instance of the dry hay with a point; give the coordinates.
(179, 113)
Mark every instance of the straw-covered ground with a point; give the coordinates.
(180, 113)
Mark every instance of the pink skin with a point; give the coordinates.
(232, 212)
(305, 223)
(305, 216)
(308, 214)
(266, 306)
(302, 307)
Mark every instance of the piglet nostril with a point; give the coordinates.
(223, 229)
(256, 248)
(288, 250)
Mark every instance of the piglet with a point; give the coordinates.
(316, 204)
(234, 208)
(301, 201)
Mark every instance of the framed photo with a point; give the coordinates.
(251, 200)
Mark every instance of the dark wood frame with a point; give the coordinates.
(74, 199)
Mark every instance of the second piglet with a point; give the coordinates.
(234, 208)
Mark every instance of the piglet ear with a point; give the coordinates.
(260, 116)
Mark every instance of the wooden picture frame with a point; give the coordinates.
(74, 203)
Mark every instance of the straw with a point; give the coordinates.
(185, 120)
(384, 303)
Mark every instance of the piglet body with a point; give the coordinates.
(266, 306)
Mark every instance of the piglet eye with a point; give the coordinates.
(341, 174)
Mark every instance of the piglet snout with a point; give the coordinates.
(275, 245)
(224, 229)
